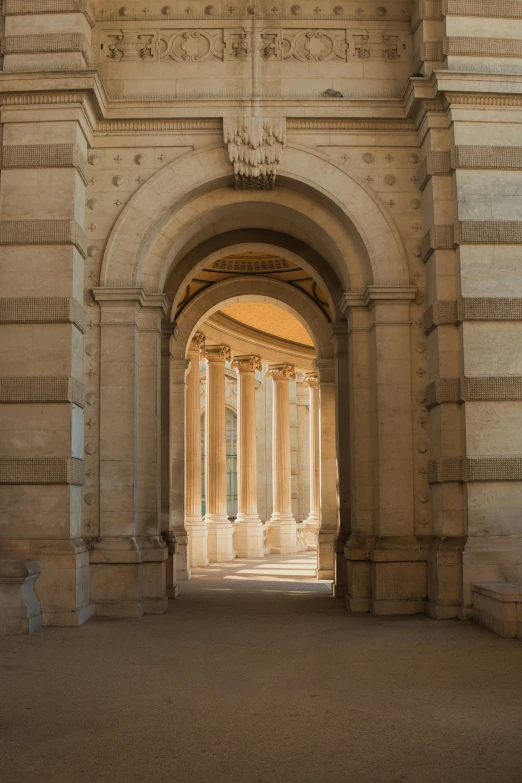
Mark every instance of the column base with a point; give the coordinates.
(117, 577)
(155, 558)
(182, 554)
(282, 534)
(170, 582)
(312, 524)
(197, 531)
(220, 541)
(248, 536)
(445, 577)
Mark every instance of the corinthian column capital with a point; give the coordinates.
(281, 372)
(311, 379)
(248, 363)
(197, 343)
(216, 353)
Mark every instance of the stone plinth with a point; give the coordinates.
(498, 606)
(20, 611)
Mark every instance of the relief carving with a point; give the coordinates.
(255, 147)
(197, 45)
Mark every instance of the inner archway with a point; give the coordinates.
(273, 342)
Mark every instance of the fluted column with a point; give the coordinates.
(248, 530)
(220, 542)
(282, 532)
(194, 522)
(313, 519)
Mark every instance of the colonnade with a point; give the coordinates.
(214, 538)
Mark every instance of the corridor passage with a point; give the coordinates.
(258, 675)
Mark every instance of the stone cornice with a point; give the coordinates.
(107, 295)
(378, 293)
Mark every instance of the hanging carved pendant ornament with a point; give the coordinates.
(255, 147)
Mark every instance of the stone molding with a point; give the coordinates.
(37, 7)
(42, 389)
(42, 470)
(42, 310)
(115, 294)
(255, 147)
(281, 372)
(216, 353)
(503, 9)
(43, 232)
(131, 126)
(460, 99)
(445, 311)
(48, 43)
(467, 46)
(468, 469)
(45, 156)
(474, 389)
(247, 363)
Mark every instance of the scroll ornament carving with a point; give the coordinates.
(255, 147)
(249, 363)
(199, 45)
(281, 372)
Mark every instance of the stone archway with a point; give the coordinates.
(275, 292)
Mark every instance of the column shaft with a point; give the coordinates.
(220, 542)
(248, 530)
(313, 520)
(194, 522)
(282, 533)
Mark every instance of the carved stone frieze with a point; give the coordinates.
(255, 147)
(306, 45)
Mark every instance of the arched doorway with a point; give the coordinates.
(345, 239)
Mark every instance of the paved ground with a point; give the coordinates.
(251, 678)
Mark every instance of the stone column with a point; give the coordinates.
(220, 532)
(177, 537)
(194, 522)
(313, 519)
(282, 531)
(248, 530)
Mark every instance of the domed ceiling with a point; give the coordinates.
(262, 316)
